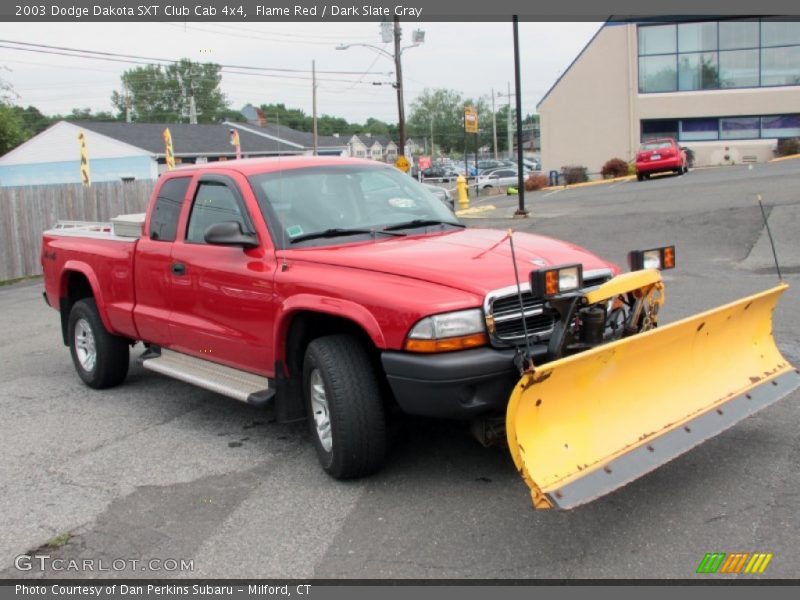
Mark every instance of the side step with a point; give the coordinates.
(240, 385)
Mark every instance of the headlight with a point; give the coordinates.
(449, 331)
(655, 258)
(553, 281)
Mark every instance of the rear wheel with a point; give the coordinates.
(100, 358)
(640, 177)
(344, 407)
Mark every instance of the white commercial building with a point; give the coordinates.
(729, 89)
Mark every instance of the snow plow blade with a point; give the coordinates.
(582, 426)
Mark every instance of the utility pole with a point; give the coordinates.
(432, 145)
(192, 108)
(314, 103)
(521, 211)
(127, 94)
(494, 126)
(508, 126)
(399, 70)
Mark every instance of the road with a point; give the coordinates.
(157, 469)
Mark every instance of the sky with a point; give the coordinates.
(472, 58)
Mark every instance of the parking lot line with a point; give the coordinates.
(553, 192)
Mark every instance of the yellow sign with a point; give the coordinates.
(470, 119)
(85, 176)
(169, 155)
(402, 164)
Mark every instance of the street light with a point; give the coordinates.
(418, 38)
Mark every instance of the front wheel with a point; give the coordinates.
(100, 358)
(344, 407)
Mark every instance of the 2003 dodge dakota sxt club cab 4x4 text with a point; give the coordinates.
(340, 289)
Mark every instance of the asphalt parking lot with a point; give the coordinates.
(157, 469)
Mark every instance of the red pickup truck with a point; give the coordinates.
(328, 287)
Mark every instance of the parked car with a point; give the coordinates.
(442, 194)
(441, 173)
(532, 164)
(658, 156)
(497, 178)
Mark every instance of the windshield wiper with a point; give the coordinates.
(421, 223)
(339, 232)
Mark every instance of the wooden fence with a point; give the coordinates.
(25, 212)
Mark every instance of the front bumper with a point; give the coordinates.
(453, 385)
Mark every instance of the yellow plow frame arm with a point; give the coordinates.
(582, 426)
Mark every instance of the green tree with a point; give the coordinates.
(162, 94)
(442, 111)
(35, 122)
(12, 129)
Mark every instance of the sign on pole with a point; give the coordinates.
(85, 175)
(169, 155)
(402, 164)
(470, 119)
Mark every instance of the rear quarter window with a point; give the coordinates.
(164, 220)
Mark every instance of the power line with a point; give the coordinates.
(171, 61)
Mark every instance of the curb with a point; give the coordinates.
(589, 183)
(475, 210)
(782, 158)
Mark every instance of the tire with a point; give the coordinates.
(344, 407)
(100, 358)
(639, 177)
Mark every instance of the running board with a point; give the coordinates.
(239, 385)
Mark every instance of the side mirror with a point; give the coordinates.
(229, 233)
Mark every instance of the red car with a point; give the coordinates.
(658, 156)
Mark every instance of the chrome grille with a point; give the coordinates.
(502, 309)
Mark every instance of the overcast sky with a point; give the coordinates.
(472, 58)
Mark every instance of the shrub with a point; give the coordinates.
(615, 167)
(788, 146)
(573, 174)
(536, 182)
(632, 168)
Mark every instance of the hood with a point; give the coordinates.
(473, 260)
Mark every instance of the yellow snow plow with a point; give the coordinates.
(608, 412)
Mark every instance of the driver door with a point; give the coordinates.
(222, 296)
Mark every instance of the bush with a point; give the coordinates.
(632, 168)
(536, 182)
(573, 174)
(615, 167)
(787, 147)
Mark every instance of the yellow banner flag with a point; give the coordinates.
(168, 152)
(235, 142)
(86, 178)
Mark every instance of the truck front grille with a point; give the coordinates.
(503, 310)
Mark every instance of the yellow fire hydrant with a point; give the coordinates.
(461, 192)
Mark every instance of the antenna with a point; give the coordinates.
(769, 234)
(528, 353)
(284, 263)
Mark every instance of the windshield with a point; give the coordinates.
(355, 201)
(657, 145)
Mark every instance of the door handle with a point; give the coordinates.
(178, 268)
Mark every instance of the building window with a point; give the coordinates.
(712, 55)
(658, 39)
(698, 71)
(780, 66)
(657, 74)
(697, 37)
(659, 128)
(739, 128)
(698, 129)
(738, 68)
(738, 34)
(722, 128)
(780, 126)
